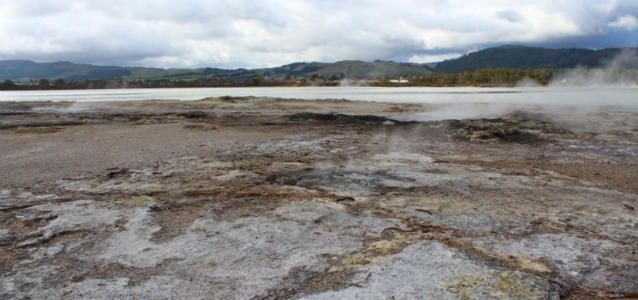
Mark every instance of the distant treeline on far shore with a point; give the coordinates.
(488, 77)
(482, 77)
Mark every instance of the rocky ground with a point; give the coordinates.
(247, 198)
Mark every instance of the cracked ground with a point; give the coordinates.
(257, 198)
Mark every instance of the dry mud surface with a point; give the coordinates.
(247, 198)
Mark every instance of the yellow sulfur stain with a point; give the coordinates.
(530, 265)
(510, 287)
(140, 200)
(463, 285)
(375, 253)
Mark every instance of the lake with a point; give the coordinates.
(624, 98)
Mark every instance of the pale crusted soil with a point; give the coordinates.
(270, 199)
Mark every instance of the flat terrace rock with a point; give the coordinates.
(258, 198)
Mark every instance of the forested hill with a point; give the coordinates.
(353, 69)
(511, 57)
(26, 69)
(521, 57)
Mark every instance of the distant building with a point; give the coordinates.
(26, 82)
(400, 80)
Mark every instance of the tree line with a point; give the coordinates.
(60, 84)
(481, 77)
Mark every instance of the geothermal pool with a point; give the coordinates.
(599, 96)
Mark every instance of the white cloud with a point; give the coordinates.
(224, 33)
(627, 22)
(429, 58)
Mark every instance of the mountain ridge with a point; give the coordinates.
(505, 56)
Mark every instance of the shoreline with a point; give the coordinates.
(623, 97)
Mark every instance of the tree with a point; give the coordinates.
(8, 85)
(59, 83)
(43, 83)
(258, 79)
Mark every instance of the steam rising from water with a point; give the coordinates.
(581, 99)
(347, 82)
(620, 71)
(575, 95)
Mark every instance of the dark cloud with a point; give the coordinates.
(509, 15)
(224, 33)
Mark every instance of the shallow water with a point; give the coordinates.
(625, 96)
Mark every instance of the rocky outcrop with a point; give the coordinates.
(518, 127)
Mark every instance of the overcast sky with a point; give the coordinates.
(265, 33)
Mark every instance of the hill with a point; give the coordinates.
(29, 70)
(26, 69)
(522, 57)
(513, 57)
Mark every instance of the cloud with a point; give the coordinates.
(510, 15)
(627, 22)
(224, 33)
(429, 58)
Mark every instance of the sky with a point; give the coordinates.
(268, 33)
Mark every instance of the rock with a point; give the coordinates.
(389, 123)
(341, 118)
(6, 237)
(521, 128)
(430, 270)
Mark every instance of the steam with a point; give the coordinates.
(63, 107)
(527, 83)
(348, 82)
(622, 70)
(577, 118)
(462, 111)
